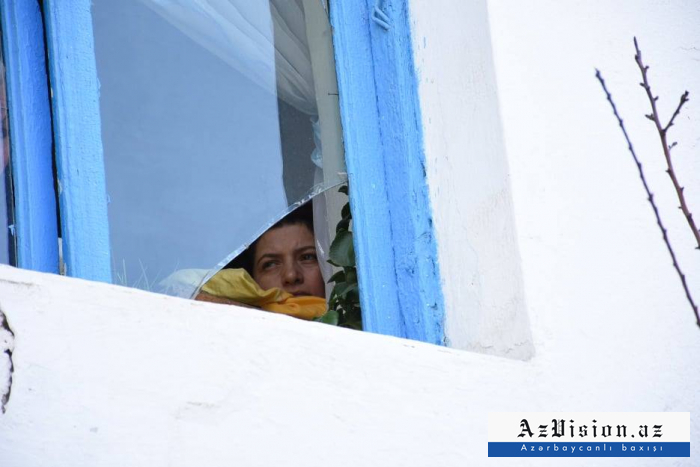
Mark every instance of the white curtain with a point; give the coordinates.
(240, 32)
(266, 41)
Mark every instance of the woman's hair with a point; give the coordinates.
(302, 215)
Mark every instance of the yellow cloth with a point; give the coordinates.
(236, 284)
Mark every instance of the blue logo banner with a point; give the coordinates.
(574, 449)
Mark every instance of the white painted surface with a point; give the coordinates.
(591, 252)
(469, 180)
(603, 300)
(593, 259)
(110, 376)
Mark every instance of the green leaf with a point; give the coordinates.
(347, 289)
(333, 299)
(350, 275)
(342, 251)
(345, 296)
(331, 317)
(343, 224)
(345, 212)
(338, 288)
(337, 277)
(351, 318)
(353, 296)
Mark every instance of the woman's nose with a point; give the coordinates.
(293, 275)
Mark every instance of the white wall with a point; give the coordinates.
(591, 253)
(593, 259)
(469, 179)
(108, 376)
(604, 304)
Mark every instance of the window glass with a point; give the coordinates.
(211, 128)
(7, 240)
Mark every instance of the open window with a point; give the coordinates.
(112, 148)
(217, 119)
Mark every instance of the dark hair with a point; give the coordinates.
(302, 215)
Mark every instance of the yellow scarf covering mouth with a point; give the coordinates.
(238, 285)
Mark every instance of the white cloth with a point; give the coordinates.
(240, 32)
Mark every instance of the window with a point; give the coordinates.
(211, 129)
(394, 241)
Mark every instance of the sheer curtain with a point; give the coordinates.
(239, 32)
(245, 34)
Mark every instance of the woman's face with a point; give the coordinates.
(285, 257)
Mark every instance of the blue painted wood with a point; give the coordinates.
(77, 133)
(415, 248)
(30, 135)
(369, 202)
(386, 166)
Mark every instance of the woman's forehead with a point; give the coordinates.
(284, 239)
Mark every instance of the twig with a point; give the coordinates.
(663, 130)
(650, 198)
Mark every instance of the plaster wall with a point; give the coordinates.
(593, 259)
(578, 252)
(541, 219)
(109, 376)
(469, 180)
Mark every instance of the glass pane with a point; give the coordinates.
(7, 240)
(211, 131)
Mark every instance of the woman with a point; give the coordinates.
(279, 272)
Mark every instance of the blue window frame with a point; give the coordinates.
(398, 271)
(394, 237)
(30, 135)
(76, 122)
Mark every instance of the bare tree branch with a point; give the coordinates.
(684, 99)
(662, 130)
(650, 198)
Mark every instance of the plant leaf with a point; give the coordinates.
(350, 275)
(343, 224)
(353, 295)
(338, 277)
(345, 211)
(331, 317)
(343, 293)
(342, 251)
(338, 288)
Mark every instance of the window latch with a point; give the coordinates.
(379, 17)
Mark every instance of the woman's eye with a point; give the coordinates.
(268, 264)
(309, 257)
